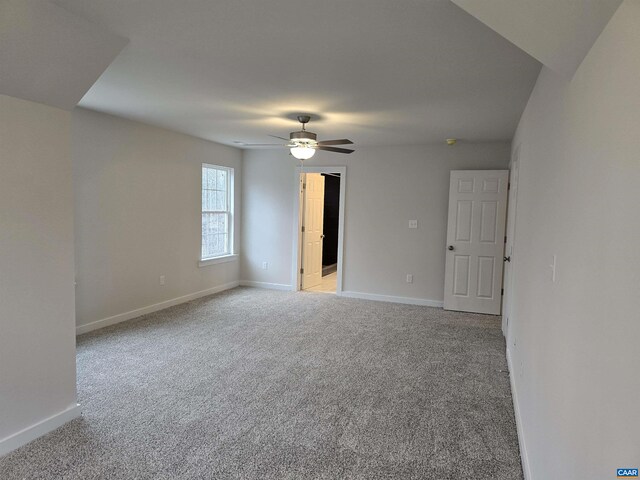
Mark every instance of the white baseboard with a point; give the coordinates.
(43, 427)
(121, 317)
(270, 286)
(516, 409)
(393, 299)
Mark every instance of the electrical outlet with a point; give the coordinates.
(409, 278)
(161, 279)
(265, 265)
(413, 223)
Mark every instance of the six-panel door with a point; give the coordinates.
(313, 222)
(475, 240)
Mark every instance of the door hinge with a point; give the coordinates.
(301, 271)
(505, 239)
(502, 291)
(304, 186)
(508, 186)
(303, 229)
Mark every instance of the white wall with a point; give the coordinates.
(574, 343)
(37, 338)
(137, 208)
(386, 187)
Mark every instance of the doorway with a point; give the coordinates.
(319, 230)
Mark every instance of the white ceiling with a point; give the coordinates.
(559, 33)
(50, 56)
(376, 71)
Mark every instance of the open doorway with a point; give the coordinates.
(320, 222)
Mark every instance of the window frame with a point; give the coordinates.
(229, 254)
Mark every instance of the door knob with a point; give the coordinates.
(506, 259)
(451, 247)
(321, 236)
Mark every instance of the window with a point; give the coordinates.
(217, 212)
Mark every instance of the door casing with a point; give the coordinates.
(509, 268)
(297, 223)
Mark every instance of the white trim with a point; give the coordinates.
(507, 299)
(122, 317)
(393, 299)
(524, 457)
(221, 259)
(296, 260)
(39, 429)
(267, 285)
(231, 214)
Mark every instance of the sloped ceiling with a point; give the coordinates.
(558, 33)
(379, 72)
(49, 55)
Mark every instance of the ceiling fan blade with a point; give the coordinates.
(265, 145)
(281, 138)
(334, 149)
(342, 141)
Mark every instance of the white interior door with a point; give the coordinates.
(475, 240)
(312, 230)
(509, 244)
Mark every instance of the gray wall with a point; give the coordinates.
(137, 209)
(386, 187)
(37, 338)
(574, 343)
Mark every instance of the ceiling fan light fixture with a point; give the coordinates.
(303, 144)
(302, 152)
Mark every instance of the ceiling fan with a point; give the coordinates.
(303, 144)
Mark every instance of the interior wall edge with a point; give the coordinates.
(38, 429)
(37, 315)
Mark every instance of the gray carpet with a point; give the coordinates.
(258, 384)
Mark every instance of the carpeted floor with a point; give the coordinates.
(259, 384)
